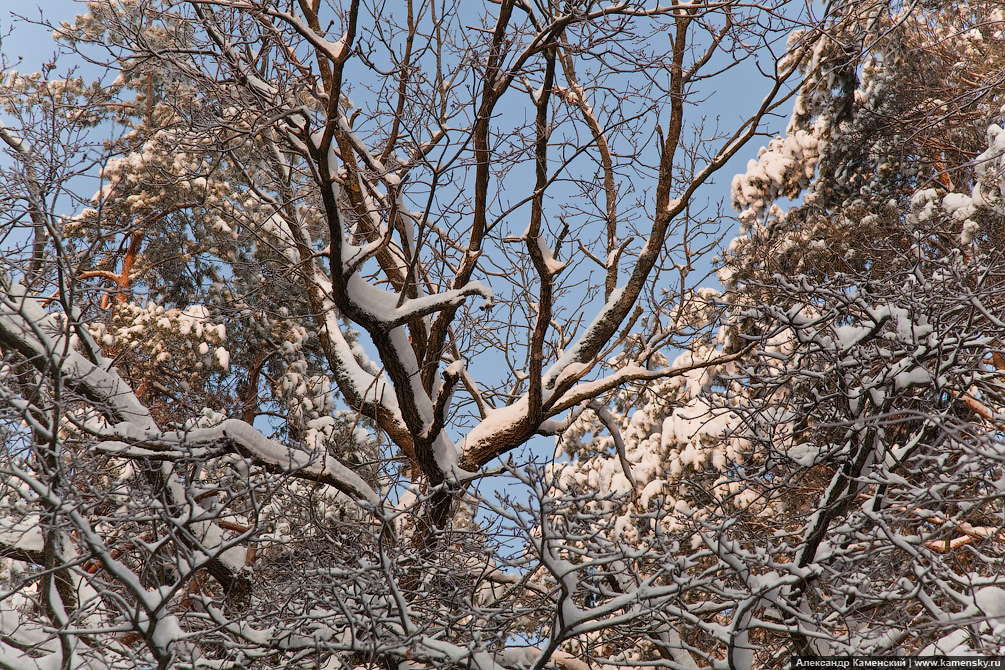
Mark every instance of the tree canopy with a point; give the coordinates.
(292, 291)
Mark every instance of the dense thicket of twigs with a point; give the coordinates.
(289, 289)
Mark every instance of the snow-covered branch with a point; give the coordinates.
(245, 440)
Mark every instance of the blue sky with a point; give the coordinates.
(26, 47)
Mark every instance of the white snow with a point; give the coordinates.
(223, 358)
